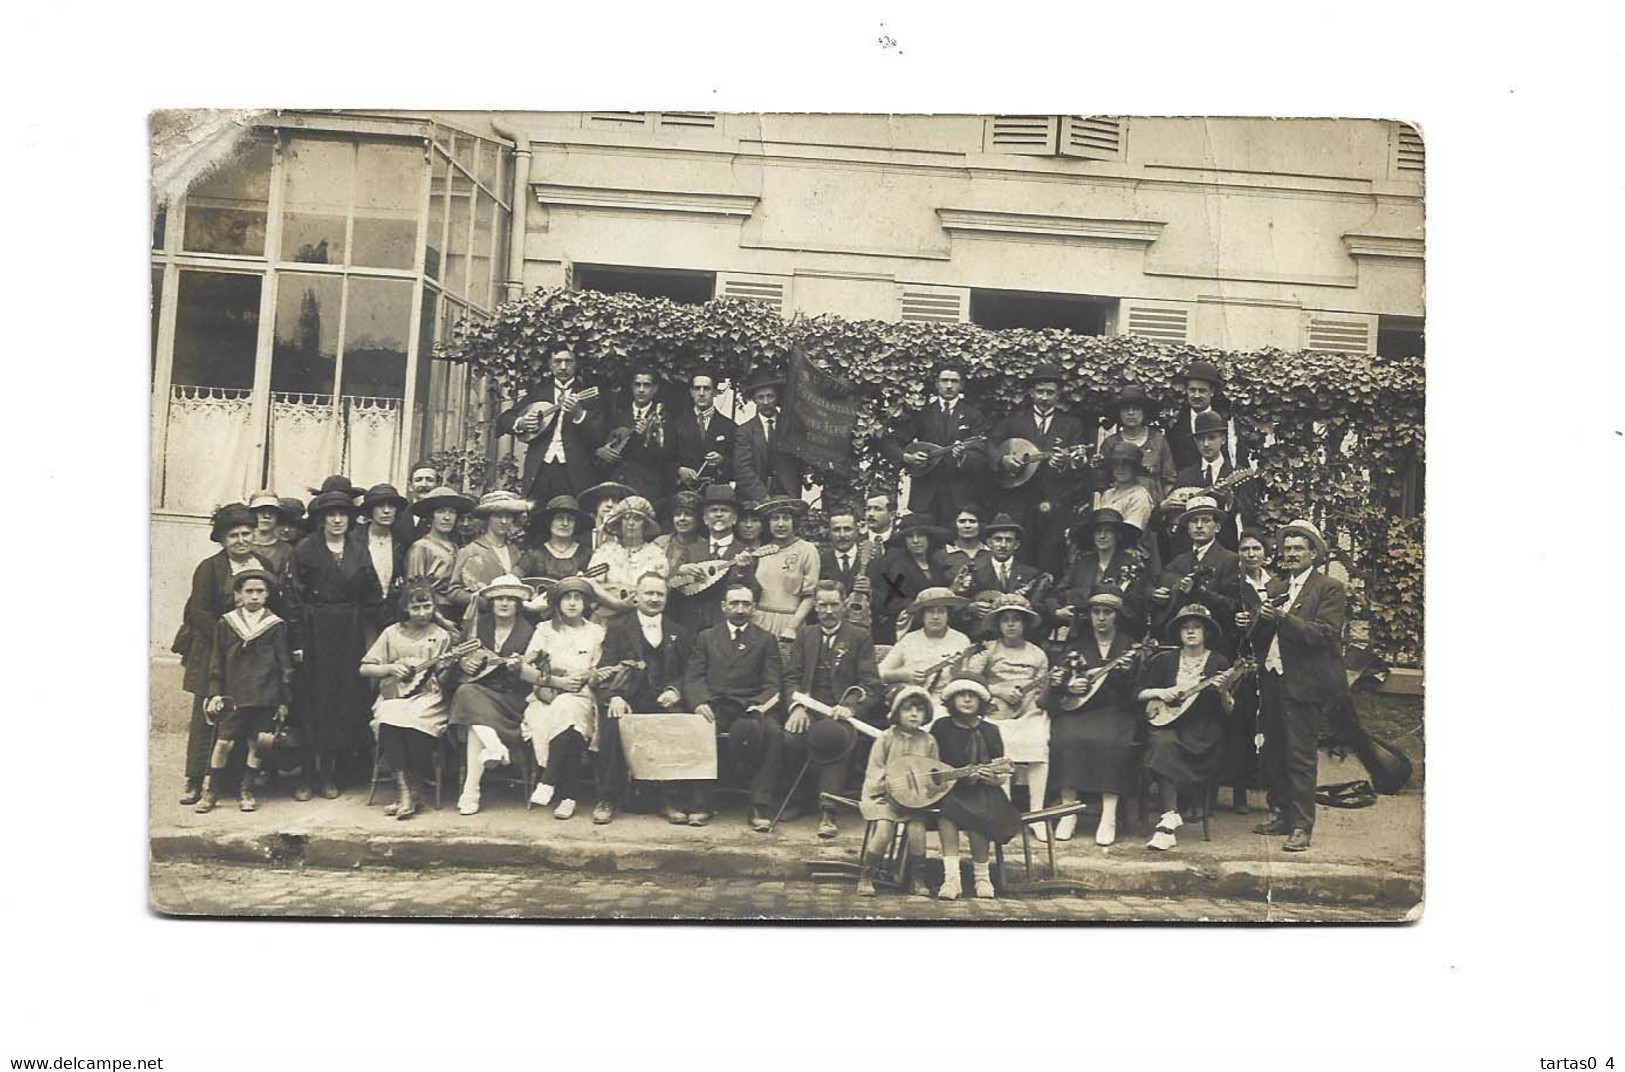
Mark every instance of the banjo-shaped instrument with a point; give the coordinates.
(703, 575)
(1082, 685)
(920, 781)
(1165, 712)
(1031, 456)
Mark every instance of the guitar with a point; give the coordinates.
(935, 453)
(1030, 456)
(548, 411)
(702, 575)
(1181, 496)
(801, 699)
(919, 781)
(1165, 712)
(596, 676)
(428, 668)
(1082, 685)
(859, 610)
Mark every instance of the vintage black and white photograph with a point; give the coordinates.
(728, 516)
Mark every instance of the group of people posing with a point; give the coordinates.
(1088, 615)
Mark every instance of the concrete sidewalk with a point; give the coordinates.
(1370, 856)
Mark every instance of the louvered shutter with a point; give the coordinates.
(934, 305)
(1163, 321)
(1093, 137)
(1033, 135)
(770, 289)
(686, 120)
(1340, 333)
(616, 120)
(1409, 155)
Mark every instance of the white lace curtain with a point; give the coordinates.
(209, 453)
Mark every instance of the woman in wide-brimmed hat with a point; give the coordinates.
(493, 553)
(1132, 411)
(491, 706)
(564, 530)
(597, 501)
(1110, 553)
(333, 596)
(1016, 672)
(1189, 752)
(683, 511)
(1127, 495)
(269, 518)
(911, 563)
(629, 556)
(915, 659)
(232, 527)
(561, 720)
(1095, 747)
(433, 556)
(789, 575)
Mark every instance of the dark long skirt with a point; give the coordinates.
(1095, 750)
(475, 705)
(335, 701)
(982, 808)
(1191, 750)
(1241, 766)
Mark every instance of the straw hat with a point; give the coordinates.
(634, 506)
(1301, 527)
(501, 502)
(781, 504)
(1010, 603)
(1199, 505)
(565, 504)
(1201, 614)
(507, 585)
(937, 597)
(436, 498)
(265, 500)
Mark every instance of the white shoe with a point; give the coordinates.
(1039, 831)
(566, 808)
(1065, 826)
(1106, 832)
(1163, 839)
(949, 890)
(543, 796)
(984, 889)
(492, 760)
(468, 804)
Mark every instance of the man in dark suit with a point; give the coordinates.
(1044, 501)
(643, 461)
(1203, 381)
(833, 661)
(735, 680)
(761, 470)
(1000, 571)
(561, 431)
(1210, 467)
(703, 435)
(719, 515)
(1300, 631)
(1208, 573)
(662, 646)
(958, 477)
(841, 559)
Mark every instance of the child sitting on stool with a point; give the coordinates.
(906, 736)
(249, 671)
(975, 804)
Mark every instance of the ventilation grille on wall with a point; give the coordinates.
(689, 120)
(1339, 336)
(1165, 323)
(933, 306)
(618, 120)
(1093, 137)
(1409, 155)
(1032, 134)
(752, 288)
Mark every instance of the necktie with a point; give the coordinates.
(846, 563)
(1212, 473)
(716, 550)
(1004, 577)
(768, 423)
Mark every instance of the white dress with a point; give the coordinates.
(425, 712)
(569, 651)
(1026, 737)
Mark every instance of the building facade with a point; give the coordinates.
(299, 289)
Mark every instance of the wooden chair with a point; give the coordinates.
(382, 775)
(893, 867)
(520, 759)
(1050, 817)
(1203, 792)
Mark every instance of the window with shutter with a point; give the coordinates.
(1032, 135)
(1093, 137)
(1163, 321)
(1409, 156)
(1340, 333)
(937, 305)
(771, 290)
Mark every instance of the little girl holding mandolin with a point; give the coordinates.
(906, 736)
(976, 804)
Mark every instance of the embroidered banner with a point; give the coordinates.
(820, 411)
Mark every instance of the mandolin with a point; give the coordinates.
(1165, 712)
(946, 661)
(702, 575)
(920, 781)
(1031, 456)
(424, 671)
(935, 453)
(548, 411)
(859, 609)
(1082, 685)
(596, 676)
(1181, 496)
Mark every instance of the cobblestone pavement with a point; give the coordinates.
(234, 889)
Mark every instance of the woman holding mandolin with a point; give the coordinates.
(925, 655)
(627, 557)
(1095, 725)
(1188, 750)
(561, 720)
(1017, 675)
(408, 726)
(490, 700)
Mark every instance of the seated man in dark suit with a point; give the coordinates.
(1300, 631)
(735, 679)
(1207, 573)
(832, 661)
(650, 637)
